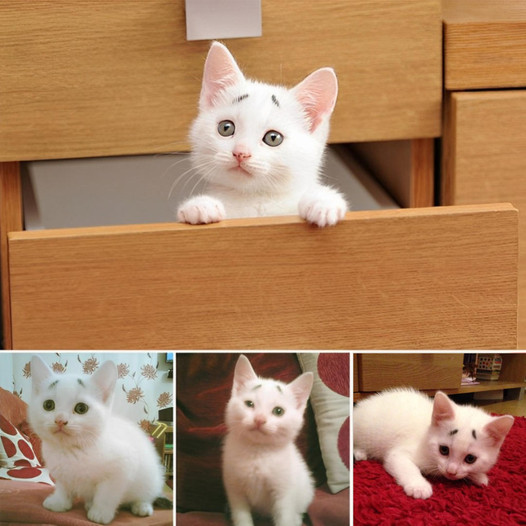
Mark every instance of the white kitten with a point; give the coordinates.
(263, 470)
(412, 434)
(93, 455)
(260, 147)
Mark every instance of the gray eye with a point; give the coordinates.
(81, 408)
(48, 405)
(273, 138)
(226, 128)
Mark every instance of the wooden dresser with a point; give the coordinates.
(85, 78)
(484, 156)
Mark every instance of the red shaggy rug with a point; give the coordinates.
(379, 501)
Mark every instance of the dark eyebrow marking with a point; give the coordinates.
(279, 388)
(80, 382)
(454, 432)
(257, 387)
(275, 100)
(241, 97)
(474, 434)
(53, 384)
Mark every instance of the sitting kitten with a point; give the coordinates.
(260, 147)
(103, 459)
(411, 435)
(262, 468)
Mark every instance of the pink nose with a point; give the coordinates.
(260, 421)
(241, 155)
(61, 422)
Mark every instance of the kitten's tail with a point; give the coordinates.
(163, 503)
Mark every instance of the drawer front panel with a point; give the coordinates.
(416, 278)
(485, 141)
(421, 371)
(93, 78)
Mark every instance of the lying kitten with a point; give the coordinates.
(411, 435)
(260, 147)
(103, 459)
(262, 468)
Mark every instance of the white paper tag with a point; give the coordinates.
(217, 19)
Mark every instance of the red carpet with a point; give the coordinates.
(379, 501)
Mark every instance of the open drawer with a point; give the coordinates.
(443, 277)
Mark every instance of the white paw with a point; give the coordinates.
(101, 515)
(201, 209)
(480, 479)
(57, 502)
(323, 210)
(421, 489)
(142, 509)
(359, 454)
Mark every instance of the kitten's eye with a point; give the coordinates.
(278, 411)
(249, 403)
(444, 450)
(226, 128)
(273, 138)
(81, 408)
(48, 405)
(470, 459)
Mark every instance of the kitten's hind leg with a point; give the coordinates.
(407, 474)
(142, 509)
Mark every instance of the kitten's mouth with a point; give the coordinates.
(240, 169)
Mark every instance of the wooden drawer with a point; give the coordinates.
(414, 278)
(484, 44)
(421, 371)
(484, 159)
(94, 78)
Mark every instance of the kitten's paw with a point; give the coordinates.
(359, 454)
(142, 509)
(201, 209)
(57, 503)
(323, 210)
(101, 515)
(480, 479)
(421, 489)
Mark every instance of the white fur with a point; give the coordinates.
(105, 460)
(405, 430)
(270, 180)
(263, 470)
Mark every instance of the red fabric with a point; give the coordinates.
(204, 382)
(378, 500)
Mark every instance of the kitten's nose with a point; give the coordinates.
(259, 421)
(241, 155)
(61, 421)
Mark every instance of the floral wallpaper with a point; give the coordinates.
(142, 388)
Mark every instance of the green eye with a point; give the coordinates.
(273, 138)
(81, 408)
(48, 405)
(278, 411)
(249, 403)
(226, 128)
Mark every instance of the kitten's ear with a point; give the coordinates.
(243, 373)
(39, 373)
(317, 94)
(443, 409)
(301, 388)
(221, 71)
(498, 428)
(104, 379)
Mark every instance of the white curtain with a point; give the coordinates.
(143, 386)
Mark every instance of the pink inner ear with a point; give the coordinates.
(317, 94)
(442, 409)
(221, 71)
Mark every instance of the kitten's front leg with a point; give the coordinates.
(407, 474)
(239, 509)
(59, 500)
(285, 514)
(106, 500)
(322, 206)
(201, 209)
(480, 479)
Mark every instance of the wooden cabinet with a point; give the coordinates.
(485, 131)
(431, 372)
